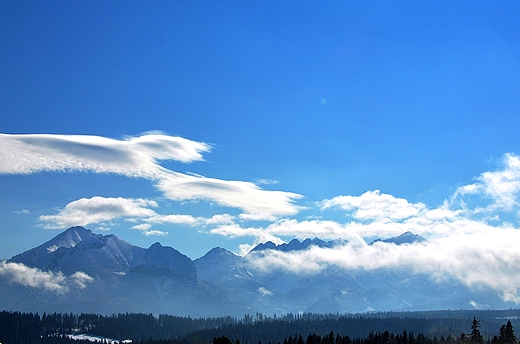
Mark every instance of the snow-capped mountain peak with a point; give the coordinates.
(67, 239)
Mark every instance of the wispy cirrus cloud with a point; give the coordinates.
(139, 157)
(47, 280)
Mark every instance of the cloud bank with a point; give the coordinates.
(467, 241)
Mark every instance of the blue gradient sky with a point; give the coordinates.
(320, 99)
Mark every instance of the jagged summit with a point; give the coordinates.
(296, 245)
(155, 246)
(166, 261)
(217, 254)
(405, 238)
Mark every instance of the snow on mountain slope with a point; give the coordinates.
(67, 239)
(230, 273)
(80, 271)
(87, 272)
(79, 249)
(220, 265)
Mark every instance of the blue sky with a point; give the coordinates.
(231, 123)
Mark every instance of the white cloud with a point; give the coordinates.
(481, 256)
(138, 157)
(258, 217)
(372, 205)
(178, 219)
(219, 219)
(235, 231)
(189, 220)
(35, 278)
(97, 209)
(230, 193)
(324, 229)
(501, 187)
(81, 279)
(267, 181)
(22, 212)
(133, 156)
(154, 232)
(145, 228)
(142, 227)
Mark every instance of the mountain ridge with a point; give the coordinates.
(80, 271)
(297, 245)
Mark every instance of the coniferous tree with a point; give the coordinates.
(222, 340)
(462, 338)
(475, 336)
(507, 334)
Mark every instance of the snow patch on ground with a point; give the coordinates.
(96, 339)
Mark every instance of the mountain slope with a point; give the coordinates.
(81, 271)
(79, 249)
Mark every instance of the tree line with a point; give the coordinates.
(305, 328)
(506, 336)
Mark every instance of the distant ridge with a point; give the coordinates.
(83, 272)
(297, 245)
(405, 238)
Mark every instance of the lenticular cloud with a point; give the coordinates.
(139, 157)
(132, 157)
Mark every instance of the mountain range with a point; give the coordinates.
(82, 272)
